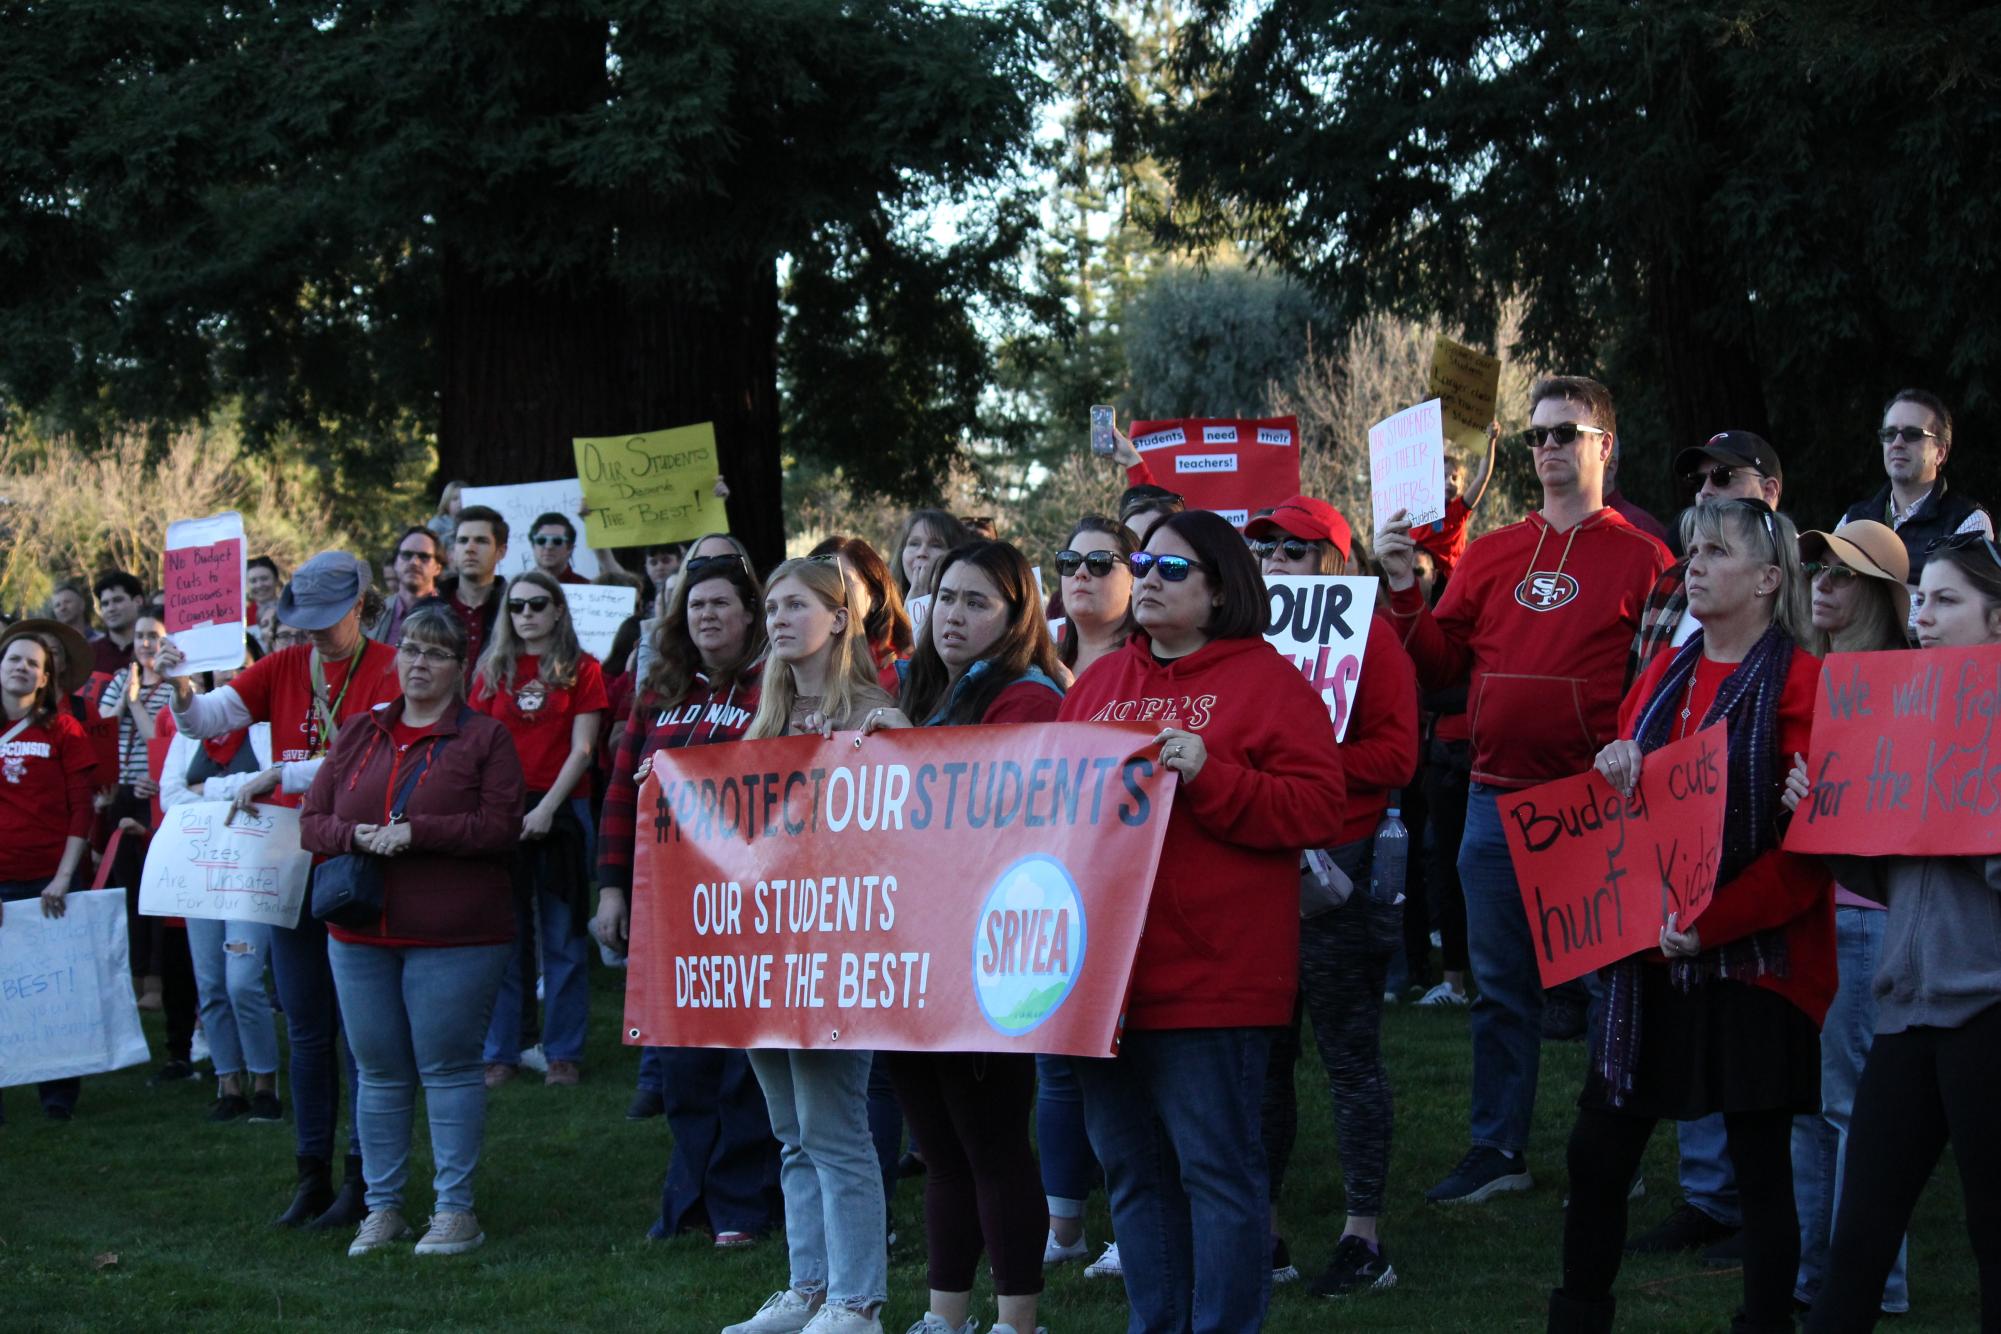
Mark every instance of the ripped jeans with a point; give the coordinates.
(230, 959)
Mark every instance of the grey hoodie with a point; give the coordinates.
(1941, 962)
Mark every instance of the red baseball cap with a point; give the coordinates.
(1303, 516)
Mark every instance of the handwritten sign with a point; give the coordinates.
(943, 889)
(1320, 624)
(202, 863)
(1407, 465)
(526, 502)
(597, 610)
(203, 576)
(1234, 466)
(651, 488)
(1599, 873)
(66, 1005)
(1904, 760)
(1466, 384)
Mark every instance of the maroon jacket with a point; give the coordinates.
(454, 885)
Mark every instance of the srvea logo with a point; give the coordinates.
(1028, 948)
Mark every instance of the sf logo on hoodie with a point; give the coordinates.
(1546, 592)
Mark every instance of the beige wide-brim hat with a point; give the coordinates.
(1872, 550)
(78, 662)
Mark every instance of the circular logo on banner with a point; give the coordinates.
(1028, 946)
(1546, 592)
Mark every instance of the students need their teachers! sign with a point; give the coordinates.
(1904, 760)
(1234, 466)
(1599, 873)
(952, 889)
(651, 488)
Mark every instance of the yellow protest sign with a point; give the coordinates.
(1465, 382)
(650, 488)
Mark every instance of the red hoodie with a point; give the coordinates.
(1544, 622)
(1221, 943)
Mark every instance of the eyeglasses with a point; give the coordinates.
(1910, 435)
(1099, 563)
(697, 564)
(1837, 574)
(1563, 433)
(977, 520)
(437, 656)
(1961, 541)
(1719, 475)
(418, 556)
(550, 540)
(1293, 548)
(1172, 568)
(536, 605)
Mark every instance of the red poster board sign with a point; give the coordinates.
(1599, 873)
(1904, 760)
(949, 889)
(1235, 466)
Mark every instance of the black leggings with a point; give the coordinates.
(1922, 1089)
(1605, 1150)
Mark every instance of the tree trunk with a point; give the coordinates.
(526, 368)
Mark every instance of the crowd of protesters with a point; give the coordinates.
(1819, 1036)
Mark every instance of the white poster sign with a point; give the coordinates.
(597, 610)
(1320, 624)
(206, 862)
(203, 575)
(1407, 465)
(66, 1005)
(521, 505)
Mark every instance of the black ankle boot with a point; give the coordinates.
(1743, 1324)
(1578, 1315)
(351, 1205)
(314, 1194)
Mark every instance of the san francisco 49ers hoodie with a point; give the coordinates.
(1543, 621)
(1221, 943)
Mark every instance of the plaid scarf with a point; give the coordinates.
(1748, 701)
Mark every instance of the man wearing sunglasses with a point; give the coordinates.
(1539, 617)
(1916, 436)
(555, 540)
(417, 560)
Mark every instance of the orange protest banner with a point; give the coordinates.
(1903, 758)
(1599, 873)
(952, 889)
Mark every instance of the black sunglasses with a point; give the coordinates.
(1292, 548)
(519, 605)
(418, 556)
(1720, 474)
(700, 563)
(1961, 541)
(1910, 435)
(550, 540)
(1172, 568)
(1099, 563)
(1563, 433)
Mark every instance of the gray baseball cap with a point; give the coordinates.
(322, 590)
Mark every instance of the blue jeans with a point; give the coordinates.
(1174, 1119)
(653, 1069)
(1820, 1143)
(566, 987)
(320, 1053)
(1068, 1169)
(724, 1167)
(415, 1016)
(229, 959)
(1507, 1012)
(60, 1094)
(885, 1127)
(1708, 1177)
(835, 1217)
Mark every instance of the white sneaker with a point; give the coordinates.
(1106, 1265)
(533, 1059)
(783, 1312)
(1442, 996)
(198, 1046)
(1009, 1329)
(933, 1323)
(833, 1319)
(383, 1227)
(451, 1233)
(1055, 1252)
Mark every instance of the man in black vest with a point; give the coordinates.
(1917, 438)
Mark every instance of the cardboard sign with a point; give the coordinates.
(203, 863)
(526, 502)
(651, 488)
(1320, 624)
(1466, 384)
(1904, 759)
(1234, 466)
(66, 1004)
(1407, 465)
(944, 889)
(1599, 873)
(203, 576)
(919, 608)
(597, 610)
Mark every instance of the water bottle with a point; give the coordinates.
(1391, 858)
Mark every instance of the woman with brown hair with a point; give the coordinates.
(921, 541)
(886, 624)
(1097, 591)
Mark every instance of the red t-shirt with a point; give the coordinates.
(404, 735)
(46, 777)
(1446, 539)
(279, 690)
(540, 719)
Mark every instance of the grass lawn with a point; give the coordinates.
(140, 1216)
